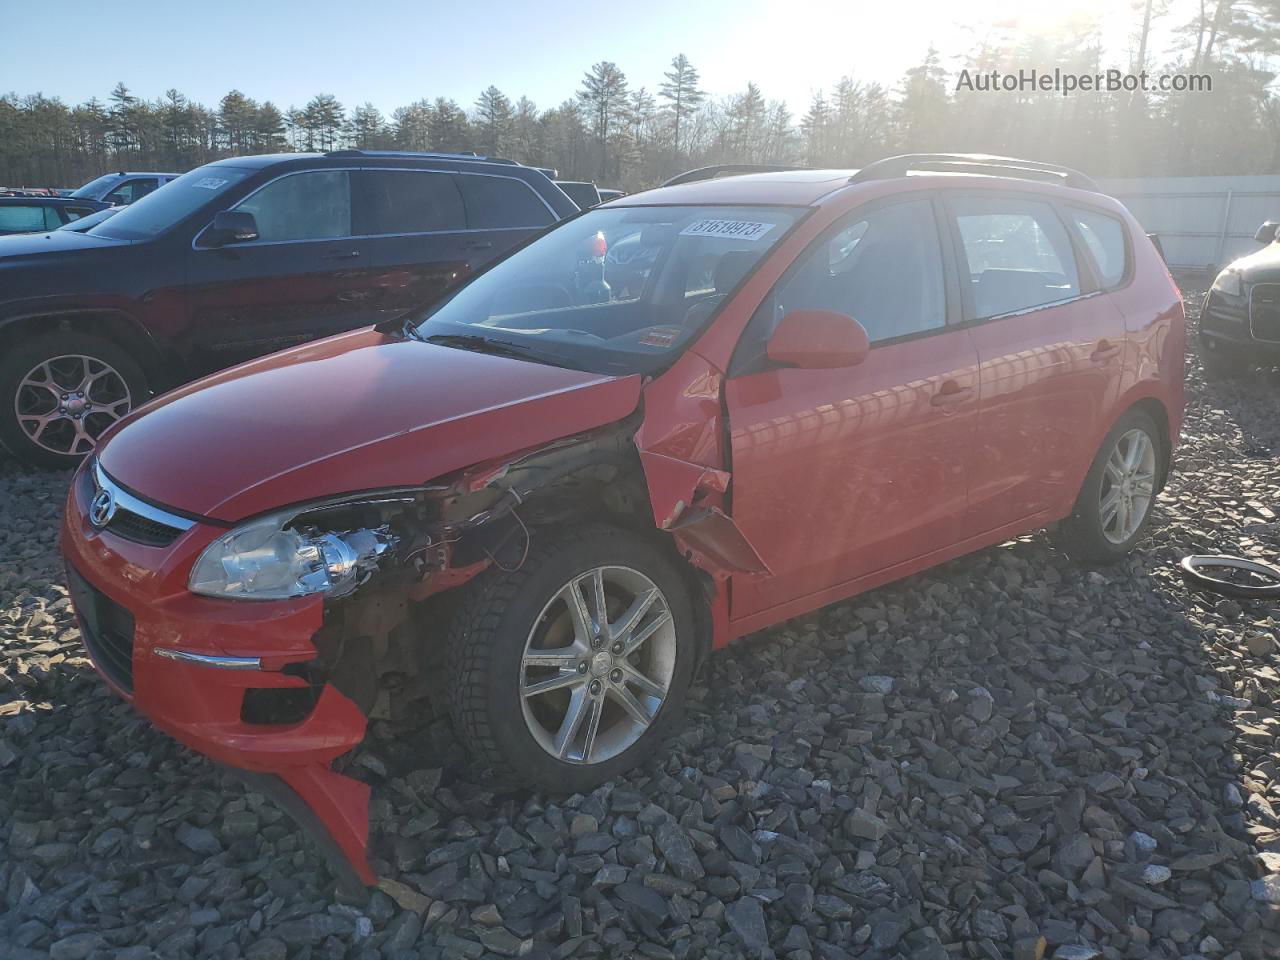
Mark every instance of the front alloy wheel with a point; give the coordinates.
(597, 665)
(60, 391)
(570, 670)
(64, 403)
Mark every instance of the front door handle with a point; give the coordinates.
(1105, 352)
(950, 394)
(342, 255)
(479, 245)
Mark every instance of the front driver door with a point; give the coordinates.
(841, 473)
(304, 277)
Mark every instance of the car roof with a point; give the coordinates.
(811, 187)
(50, 201)
(787, 187)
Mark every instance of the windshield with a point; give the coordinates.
(615, 290)
(161, 209)
(96, 186)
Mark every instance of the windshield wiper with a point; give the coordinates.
(503, 348)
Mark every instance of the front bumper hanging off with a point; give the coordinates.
(188, 663)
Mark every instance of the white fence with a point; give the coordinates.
(1201, 221)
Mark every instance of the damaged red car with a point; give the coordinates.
(673, 420)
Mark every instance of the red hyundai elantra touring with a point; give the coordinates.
(673, 420)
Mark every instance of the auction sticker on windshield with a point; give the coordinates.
(209, 183)
(730, 229)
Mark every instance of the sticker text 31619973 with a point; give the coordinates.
(728, 229)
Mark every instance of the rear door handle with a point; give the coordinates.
(342, 255)
(478, 245)
(950, 394)
(1104, 352)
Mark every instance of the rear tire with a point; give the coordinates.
(60, 391)
(1222, 361)
(1113, 509)
(518, 716)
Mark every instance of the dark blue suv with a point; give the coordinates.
(233, 260)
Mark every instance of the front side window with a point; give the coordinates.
(616, 290)
(407, 201)
(315, 205)
(883, 268)
(1103, 237)
(1017, 253)
(501, 203)
(131, 190)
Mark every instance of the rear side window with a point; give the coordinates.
(302, 206)
(498, 203)
(1018, 255)
(883, 268)
(16, 219)
(407, 201)
(1104, 237)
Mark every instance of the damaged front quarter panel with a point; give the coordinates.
(662, 468)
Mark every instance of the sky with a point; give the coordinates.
(393, 52)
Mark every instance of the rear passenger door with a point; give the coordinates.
(1050, 347)
(428, 230)
(501, 212)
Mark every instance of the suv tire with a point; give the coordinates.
(1222, 361)
(598, 711)
(60, 391)
(1124, 477)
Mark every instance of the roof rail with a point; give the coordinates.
(464, 155)
(982, 163)
(728, 170)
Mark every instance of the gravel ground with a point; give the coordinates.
(1006, 757)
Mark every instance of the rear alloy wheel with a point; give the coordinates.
(1114, 505)
(570, 670)
(63, 392)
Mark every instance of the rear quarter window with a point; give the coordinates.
(1103, 237)
(500, 203)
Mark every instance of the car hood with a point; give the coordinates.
(361, 411)
(57, 241)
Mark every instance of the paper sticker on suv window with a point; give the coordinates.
(729, 229)
(209, 183)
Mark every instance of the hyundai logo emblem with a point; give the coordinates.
(102, 509)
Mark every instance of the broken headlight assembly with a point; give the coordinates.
(280, 556)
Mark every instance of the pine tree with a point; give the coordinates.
(680, 89)
(493, 121)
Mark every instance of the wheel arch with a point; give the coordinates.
(113, 324)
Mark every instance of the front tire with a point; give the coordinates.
(60, 391)
(1113, 509)
(549, 692)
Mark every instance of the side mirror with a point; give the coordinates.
(230, 226)
(819, 340)
(1267, 232)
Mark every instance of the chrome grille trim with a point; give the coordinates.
(127, 501)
